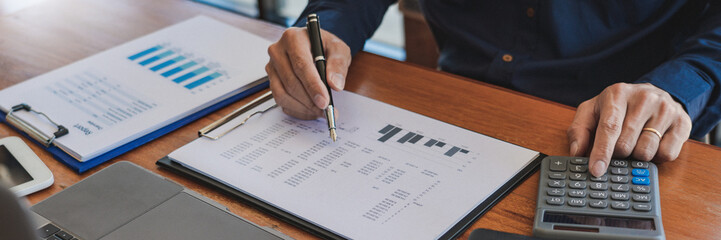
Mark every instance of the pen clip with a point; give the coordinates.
(205, 132)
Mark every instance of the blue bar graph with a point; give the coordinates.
(167, 63)
(203, 80)
(178, 69)
(156, 57)
(145, 52)
(190, 75)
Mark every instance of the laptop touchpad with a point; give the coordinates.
(105, 201)
(186, 217)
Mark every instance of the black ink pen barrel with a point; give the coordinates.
(316, 48)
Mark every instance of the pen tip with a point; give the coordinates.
(333, 135)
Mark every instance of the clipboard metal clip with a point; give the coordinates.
(204, 132)
(31, 130)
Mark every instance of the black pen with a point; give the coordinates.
(316, 47)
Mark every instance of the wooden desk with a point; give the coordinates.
(55, 33)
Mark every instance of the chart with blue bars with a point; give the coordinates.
(408, 137)
(178, 66)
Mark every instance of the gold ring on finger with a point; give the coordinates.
(653, 130)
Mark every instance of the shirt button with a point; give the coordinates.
(507, 58)
(530, 12)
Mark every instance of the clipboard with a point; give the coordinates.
(123, 97)
(454, 232)
(46, 142)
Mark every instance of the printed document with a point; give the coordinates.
(392, 174)
(128, 91)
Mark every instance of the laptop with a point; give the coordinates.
(125, 201)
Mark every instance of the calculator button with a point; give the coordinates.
(578, 176)
(619, 163)
(603, 178)
(619, 187)
(620, 205)
(641, 207)
(577, 193)
(555, 200)
(577, 185)
(619, 196)
(641, 181)
(619, 179)
(577, 202)
(639, 172)
(555, 192)
(619, 171)
(579, 168)
(599, 195)
(641, 189)
(641, 198)
(598, 203)
(558, 165)
(557, 175)
(599, 186)
(582, 161)
(637, 164)
(557, 183)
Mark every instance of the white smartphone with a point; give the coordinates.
(20, 169)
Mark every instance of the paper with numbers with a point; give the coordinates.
(392, 174)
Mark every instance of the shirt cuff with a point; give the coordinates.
(686, 83)
(330, 22)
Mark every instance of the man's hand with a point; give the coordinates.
(294, 80)
(617, 118)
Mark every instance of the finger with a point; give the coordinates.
(298, 50)
(648, 141)
(582, 127)
(290, 105)
(637, 115)
(612, 112)
(284, 72)
(672, 141)
(338, 58)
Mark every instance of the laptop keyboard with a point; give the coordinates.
(52, 232)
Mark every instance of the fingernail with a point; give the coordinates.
(319, 101)
(338, 80)
(574, 148)
(599, 168)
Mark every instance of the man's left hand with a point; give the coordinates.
(616, 119)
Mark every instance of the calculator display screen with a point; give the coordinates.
(593, 220)
(11, 172)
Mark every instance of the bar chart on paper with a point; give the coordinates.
(390, 131)
(180, 66)
(415, 142)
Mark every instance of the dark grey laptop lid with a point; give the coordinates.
(124, 201)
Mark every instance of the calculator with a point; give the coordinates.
(622, 204)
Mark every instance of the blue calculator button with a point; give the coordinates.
(639, 172)
(641, 181)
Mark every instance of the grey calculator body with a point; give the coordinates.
(572, 204)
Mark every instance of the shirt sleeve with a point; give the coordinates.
(353, 21)
(692, 76)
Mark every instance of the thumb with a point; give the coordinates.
(338, 60)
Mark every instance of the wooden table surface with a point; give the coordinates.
(56, 33)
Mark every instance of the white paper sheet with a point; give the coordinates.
(118, 95)
(368, 184)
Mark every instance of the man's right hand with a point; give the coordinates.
(294, 80)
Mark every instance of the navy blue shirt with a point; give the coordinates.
(565, 51)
